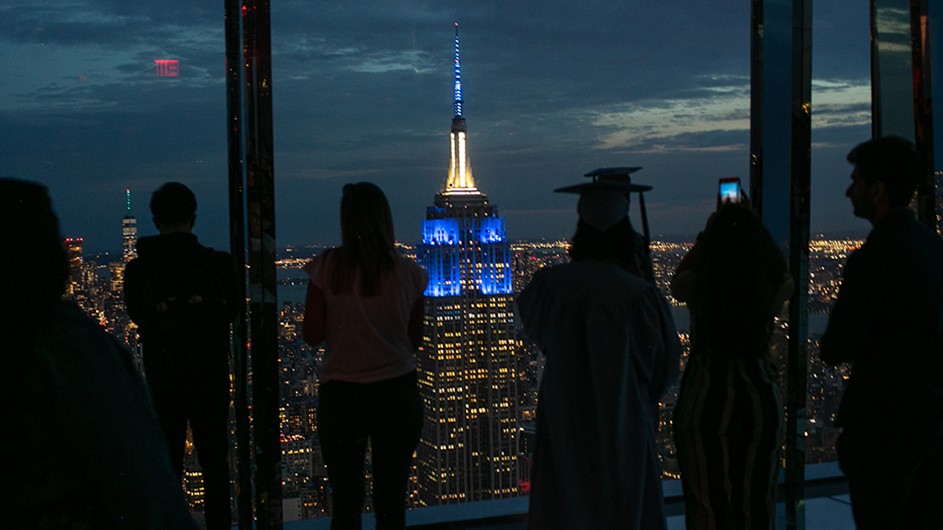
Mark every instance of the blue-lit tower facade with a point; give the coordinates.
(469, 449)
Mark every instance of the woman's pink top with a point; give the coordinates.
(366, 338)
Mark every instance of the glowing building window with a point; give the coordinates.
(167, 67)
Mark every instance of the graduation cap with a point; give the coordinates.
(604, 200)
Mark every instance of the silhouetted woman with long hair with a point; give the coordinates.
(84, 448)
(365, 303)
(727, 420)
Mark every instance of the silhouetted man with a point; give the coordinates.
(182, 295)
(888, 323)
(83, 446)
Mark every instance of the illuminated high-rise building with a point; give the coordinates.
(469, 449)
(83, 285)
(77, 284)
(129, 232)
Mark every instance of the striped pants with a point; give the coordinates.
(727, 429)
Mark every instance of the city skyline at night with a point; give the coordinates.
(305, 482)
(478, 378)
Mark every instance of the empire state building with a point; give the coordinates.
(469, 449)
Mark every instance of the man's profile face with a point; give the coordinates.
(862, 197)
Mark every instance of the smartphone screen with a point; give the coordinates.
(729, 190)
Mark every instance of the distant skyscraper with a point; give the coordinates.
(129, 231)
(77, 284)
(467, 367)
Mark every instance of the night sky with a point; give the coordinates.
(363, 91)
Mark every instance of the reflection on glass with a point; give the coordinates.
(935, 35)
(891, 68)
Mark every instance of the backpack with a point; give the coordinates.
(186, 306)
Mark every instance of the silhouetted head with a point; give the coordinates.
(891, 161)
(735, 232)
(616, 244)
(366, 220)
(33, 264)
(367, 238)
(604, 232)
(739, 272)
(173, 206)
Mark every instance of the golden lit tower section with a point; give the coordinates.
(460, 179)
(129, 231)
(467, 366)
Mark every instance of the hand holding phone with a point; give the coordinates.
(728, 191)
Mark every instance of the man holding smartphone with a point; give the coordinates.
(888, 324)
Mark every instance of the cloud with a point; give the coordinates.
(111, 24)
(392, 61)
(646, 123)
(840, 103)
(669, 125)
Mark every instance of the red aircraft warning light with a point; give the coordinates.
(167, 67)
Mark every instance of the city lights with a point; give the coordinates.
(454, 324)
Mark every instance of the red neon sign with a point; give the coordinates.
(167, 67)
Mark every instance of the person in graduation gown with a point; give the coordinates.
(611, 350)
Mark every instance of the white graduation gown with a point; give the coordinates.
(611, 350)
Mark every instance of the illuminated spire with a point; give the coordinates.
(127, 193)
(460, 181)
(458, 78)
